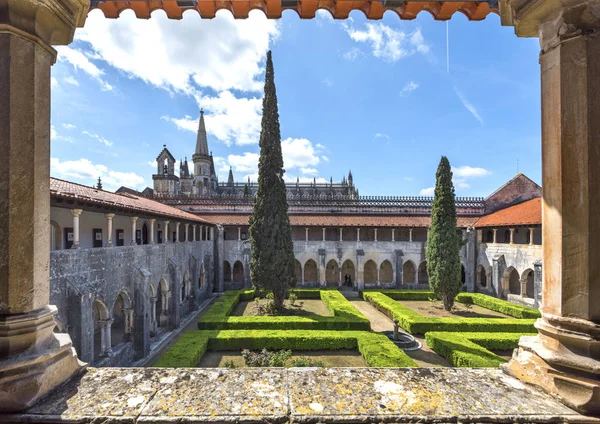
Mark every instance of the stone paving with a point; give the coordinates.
(304, 395)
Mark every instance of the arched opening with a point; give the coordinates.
(370, 272)
(162, 303)
(528, 277)
(298, 266)
(332, 273)
(185, 286)
(121, 325)
(507, 236)
(201, 280)
(463, 274)
(238, 272)
(55, 240)
(348, 272)
(489, 236)
(423, 277)
(226, 272)
(481, 276)
(408, 272)
(386, 272)
(145, 233)
(310, 272)
(514, 283)
(101, 314)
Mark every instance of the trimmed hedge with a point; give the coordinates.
(415, 323)
(472, 349)
(345, 315)
(376, 348)
(401, 294)
(499, 305)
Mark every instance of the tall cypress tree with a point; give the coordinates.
(443, 242)
(272, 267)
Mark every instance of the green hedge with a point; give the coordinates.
(402, 294)
(471, 349)
(499, 305)
(345, 315)
(376, 348)
(415, 323)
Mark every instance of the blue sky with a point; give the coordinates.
(376, 97)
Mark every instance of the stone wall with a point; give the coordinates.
(80, 277)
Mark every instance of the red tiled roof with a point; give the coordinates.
(526, 213)
(68, 190)
(343, 220)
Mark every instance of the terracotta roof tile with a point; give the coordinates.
(68, 190)
(331, 220)
(526, 213)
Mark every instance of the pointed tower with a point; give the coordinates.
(202, 160)
(230, 182)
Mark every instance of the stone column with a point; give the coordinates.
(105, 337)
(153, 324)
(375, 234)
(306, 233)
(152, 221)
(239, 233)
(531, 231)
(109, 218)
(360, 269)
(341, 234)
(322, 268)
(76, 214)
(358, 235)
(512, 235)
(133, 229)
(193, 233)
(186, 232)
(393, 234)
(166, 236)
(410, 234)
(212, 233)
(177, 224)
(564, 359)
(495, 230)
(523, 282)
(323, 234)
(34, 360)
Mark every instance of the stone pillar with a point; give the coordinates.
(512, 235)
(302, 272)
(33, 359)
(105, 337)
(358, 235)
(410, 234)
(152, 221)
(193, 233)
(76, 214)
(109, 218)
(322, 268)
(523, 282)
(239, 233)
(564, 358)
(399, 264)
(360, 269)
(537, 282)
(341, 234)
(495, 230)
(133, 229)
(375, 234)
(531, 231)
(323, 234)
(306, 233)
(187, 234)
(177, 224)
(212, 233)
(166, 236)
(393, 234)
(153, 323)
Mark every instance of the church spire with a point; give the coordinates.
(230, 181)
(201, 141)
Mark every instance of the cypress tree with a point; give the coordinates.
(443, 243)
(272, 267)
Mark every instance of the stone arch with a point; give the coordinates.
(489, 236)
(100, 313)
(332, 273)
(55, 236)
(408, 272)
(511, 281)
(349, 270)
(226, 272)
(238, 272)
(481, 276)
(386, 272)
(370, 272)
(298, 267)
(310, 272)
(185, 286)
(527, 277)
(121, 316)
(423, 276)
(162, 303)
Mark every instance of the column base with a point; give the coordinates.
(562, 360)
(33, 359)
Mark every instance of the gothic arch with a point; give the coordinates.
(423, 276)
(99, 313)
(226, 272)
(370, 272)
(511, 281)
(310, 272)
(348, 270)
(298, 266)
(121, 325)
(386, 272)
(162, 302)
(481, 276)
(332, 273)
(528, 277)
(238, 272)
(408, 272)
(185, 286)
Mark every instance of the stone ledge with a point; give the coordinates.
(304, 395)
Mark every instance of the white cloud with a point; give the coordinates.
(325, 158)
(469, 171)
(468, 105)
(69, 126)
(304, 180)
(80, 61)
(248, 162)
(298, 153)
(409, 88)
(99, 138)
(71, 80)
(54, 136)
(309, 171)
(230, 119)
(53, 82)
(387, 43)
(427, 192)
(381, 135)
(153, 163)
(352, 54)
(327, 82)
(221, 53)
(86, 172)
